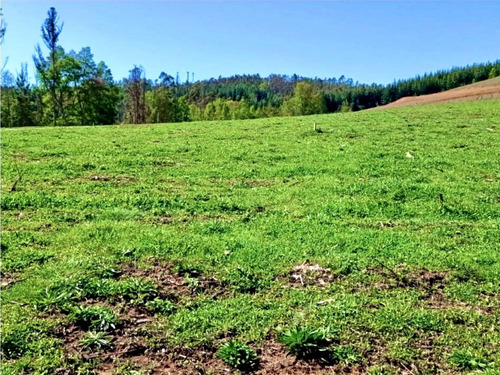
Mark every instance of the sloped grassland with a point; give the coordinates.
(146, 248)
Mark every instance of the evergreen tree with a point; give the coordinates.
(49, 70)
(7, 99)
(24, 113)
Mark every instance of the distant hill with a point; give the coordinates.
(488, 89)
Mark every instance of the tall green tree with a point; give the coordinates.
(7, 99)
(161, 100)
(24, 111)
(305, 101)
(94, 96)
(50, 69)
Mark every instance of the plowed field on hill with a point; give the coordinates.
(488, 89)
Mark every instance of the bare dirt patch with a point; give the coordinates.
(190, 361)
(129, 342)
(275, 361)
(9, 279)
(310, 274)
(174, 285)
(256, 183)
(430, 284)
(427, 280)
(488, 89)
(439, 301)
(401, 277)
(126, 341)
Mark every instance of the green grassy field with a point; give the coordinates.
(143, 249)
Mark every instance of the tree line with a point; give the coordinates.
(72, 89)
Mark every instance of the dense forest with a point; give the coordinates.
(72, 89)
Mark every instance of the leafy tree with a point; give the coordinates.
(95, 96)
(161, 100)
(195, 112)
(494, 72)
(345, 107)
(182, 110)
(304, 101)
(209, 113)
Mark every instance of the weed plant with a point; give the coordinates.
(238, 355)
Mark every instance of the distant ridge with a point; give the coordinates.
(488, 89)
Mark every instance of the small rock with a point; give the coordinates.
(325, 302)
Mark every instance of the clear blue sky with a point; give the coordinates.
(369, 41)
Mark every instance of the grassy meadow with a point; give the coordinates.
(144, 249)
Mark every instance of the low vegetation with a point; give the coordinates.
(238, 355)
(259, 245)
(308, 343)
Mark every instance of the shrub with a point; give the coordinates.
(136, 290)
(160, 306)
(247, 281)
(94, 317)
(238, 355)
(54, 297)
(96, 340)
(15, 343)
(466, 361)
(346, 355)
(308, 343)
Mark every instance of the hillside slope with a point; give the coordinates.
(146, 248)
(488, 89)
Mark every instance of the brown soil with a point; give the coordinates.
(8, 279)
(127, 341)
(431, 284)
(174, 285)
(400, 277)
(273, 360)
(131, 346)
(438, 300)
(488, 89)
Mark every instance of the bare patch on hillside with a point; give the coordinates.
(489, 89)
(430, 284)
(174, 284)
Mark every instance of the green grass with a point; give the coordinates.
(244, 202)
